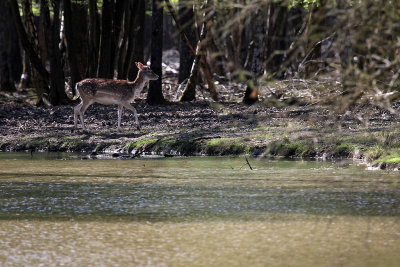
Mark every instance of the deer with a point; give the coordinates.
(108, 92)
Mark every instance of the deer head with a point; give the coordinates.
(147, 73)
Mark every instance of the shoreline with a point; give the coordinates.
(207, 129)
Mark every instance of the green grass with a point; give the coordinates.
(141, 144)
(288, 149)
(226, 146)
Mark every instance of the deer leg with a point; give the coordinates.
(82, 110)
(76, 113)
(120, 109)
(131, 108)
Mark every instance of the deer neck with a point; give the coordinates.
(139, 83)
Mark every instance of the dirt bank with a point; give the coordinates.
(206, 128)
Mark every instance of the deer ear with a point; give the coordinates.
(139, 65)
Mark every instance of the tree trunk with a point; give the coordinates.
(257, 70)
(277, 40)
(25, 81)
(189, 93)
(6, 81)
(120, 10)
(137, 39)
(71, 49)
(28, 46)
(80, 36)
(39, 81)
(123, 46)
(105, 64)
(93, 50)
(127, 44)
(186, 15)
(155, 95)
(15, 59)
(57, 95)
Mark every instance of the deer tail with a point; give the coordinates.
(76, 96)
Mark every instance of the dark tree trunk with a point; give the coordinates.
(28, 46)
(80, 36)
(246, 30)
(186, 15)
(105, 63)
(138, 39)
(71, 47)
(120, 11)
(169, 35)
(277, 40)
(6, 81)
(131, 48)
(39, 81)
(257, 59)
(15, 59)
(259, 44)
(123, 46)
(57, 95)
(155, 95)
(189, 93)
(126, 47)
(93, 50)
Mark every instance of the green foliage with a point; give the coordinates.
(305, 3)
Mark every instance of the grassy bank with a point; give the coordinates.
(381, 151)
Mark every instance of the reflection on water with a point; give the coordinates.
(195, 211)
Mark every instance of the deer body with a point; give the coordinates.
(109, 92)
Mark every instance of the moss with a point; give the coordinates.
(37, 144)
(393, 160)
(288, 149)
(185, 147)
(71, 145)
(393, 157)
(388, 161)
(141, 144)
(226, 146)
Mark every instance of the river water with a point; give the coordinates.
(58, 209)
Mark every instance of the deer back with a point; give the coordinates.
(94, 87)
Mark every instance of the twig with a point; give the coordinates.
(248, 163)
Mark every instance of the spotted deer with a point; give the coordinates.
(108, 92)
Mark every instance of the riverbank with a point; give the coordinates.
(299, 130)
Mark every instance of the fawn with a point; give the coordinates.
(108, 92)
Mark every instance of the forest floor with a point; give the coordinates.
(298, 125)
